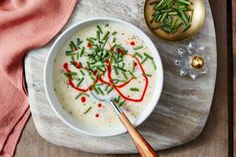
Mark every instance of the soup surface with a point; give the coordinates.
(109, 61)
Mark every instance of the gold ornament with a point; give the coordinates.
(197, 62)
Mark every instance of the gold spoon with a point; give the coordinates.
(196, 24)
(144, 148)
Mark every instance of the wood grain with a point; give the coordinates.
(234, 73)
(213, 142)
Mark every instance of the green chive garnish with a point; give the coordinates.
(78, 95)
(79, 83)
(106, 35)
(134, 89)
(95, 89)
(139, 55)
(82, 72)
(99, 28)
(82, 52)
(87, 110)
(148, 56)
(114, 33)
(138, 47)
(100, 90)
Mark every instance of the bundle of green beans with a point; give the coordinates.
(171, 15)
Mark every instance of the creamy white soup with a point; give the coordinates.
(106, 59)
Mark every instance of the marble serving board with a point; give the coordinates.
(181, 112)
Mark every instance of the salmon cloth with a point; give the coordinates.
(24, 25)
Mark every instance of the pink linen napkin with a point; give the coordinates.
(24, 25)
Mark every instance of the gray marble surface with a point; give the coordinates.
(184, 105)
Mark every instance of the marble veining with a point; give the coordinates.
(181, 112)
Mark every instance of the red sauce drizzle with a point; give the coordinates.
(132, 43)
(97, 115)
(75, 63)
(117, 89)
(70, 82)
(120, 50)
(83, 99)
(99, 105)
(95, 72)
(110, 82)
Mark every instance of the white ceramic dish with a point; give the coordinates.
(48, 78)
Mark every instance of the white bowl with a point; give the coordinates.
(48, 78)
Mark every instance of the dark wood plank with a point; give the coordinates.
(234, 72)
(213, 141)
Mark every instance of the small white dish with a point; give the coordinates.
(48, 78)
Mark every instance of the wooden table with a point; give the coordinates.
(216, 139)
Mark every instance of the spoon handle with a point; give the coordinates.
(144, 148)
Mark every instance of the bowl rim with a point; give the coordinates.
(49, 87)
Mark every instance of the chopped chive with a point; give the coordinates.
(121, 103)
(148, 56)
(82, 52)
(124, 75)
(92, 78)
(79, 83)
(100, 84)
(118, 99)
(122, 69)
(82, 72)
(138, 47)
(68, 76)
(68, 52)
(134, 89)
(106, 87)
(95, 89)
(71, 54)
(132, 74)
(87, 110)
(89, 40)
(100, 90)
(109, 91)
(106, 35)
(154, 65)
(99, 28)
(78, 95)
(145, 59)
(104, 43)
(73, 73)
(86, 94)
(77, 55)
(107, 25)
(139, 55)
(72, 46)
(98, 35)
(148, 75)
(76, 78)
(186, 27)
(114, 33)
(184, 2)
(79, 42)
(114, 40)
(73, 58)
(115, 69)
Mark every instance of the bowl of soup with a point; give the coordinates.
(105, 56)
